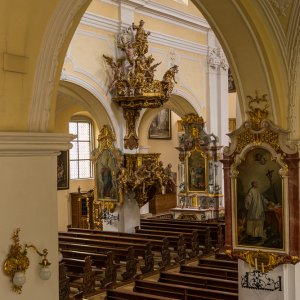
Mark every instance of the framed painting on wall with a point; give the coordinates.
(106, 172)
(63, 170)
(196, 171)
(259, 201)
(161, 127)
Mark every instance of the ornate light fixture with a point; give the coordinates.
(132, 85)
(17, 263)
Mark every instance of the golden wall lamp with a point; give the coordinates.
(17, 262)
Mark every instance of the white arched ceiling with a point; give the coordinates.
(258, 57)
(89, 98)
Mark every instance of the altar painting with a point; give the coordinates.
(197, 171)
(259, 203)
(106, 170)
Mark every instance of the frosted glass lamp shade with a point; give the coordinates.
(19, 278)
(60, 256)
(45, 273)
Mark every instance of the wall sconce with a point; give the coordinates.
(17, 263)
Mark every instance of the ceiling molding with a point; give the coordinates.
(159, 11)
(103, 23)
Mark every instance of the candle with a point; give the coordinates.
(249, 266)
(262, 267)
(255, 264)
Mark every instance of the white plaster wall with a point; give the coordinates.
(167, 147)
(28, 201)
(64, 201)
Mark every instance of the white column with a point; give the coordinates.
(28, 184)
(217, 92)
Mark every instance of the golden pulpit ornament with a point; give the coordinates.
(132, 84)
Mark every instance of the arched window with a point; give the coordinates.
(80, 154)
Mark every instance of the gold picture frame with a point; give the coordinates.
(107, 164)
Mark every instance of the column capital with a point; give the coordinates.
(34, 143)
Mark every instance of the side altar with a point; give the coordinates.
(200, 192)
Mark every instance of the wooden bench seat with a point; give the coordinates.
(127, 295)
(199, 281)
(218, 263)
(133, 252)
(81, 269)
(149, 236)
(210, 272)
(156, 243)
(181, 291)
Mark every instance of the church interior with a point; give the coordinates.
(150, 149)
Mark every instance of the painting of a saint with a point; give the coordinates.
(259, 201)
(106, 170)
(197, 176)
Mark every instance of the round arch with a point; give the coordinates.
(81, 93)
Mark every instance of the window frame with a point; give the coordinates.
(86, 120)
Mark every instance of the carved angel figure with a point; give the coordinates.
(116, 67)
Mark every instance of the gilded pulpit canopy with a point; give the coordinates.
(132, 84)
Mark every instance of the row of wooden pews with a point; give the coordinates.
(212, 279)
(101, 259)
(93, 258)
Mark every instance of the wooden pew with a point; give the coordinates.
(155, 244)
(102, 261)
(151, 236)
(199, 281)
(181, 291)
(203, 241)
(64, 285)
(81, 269)
(214, 227)
(177, 229)
(209, 272)
(109, 237)
(139, 250)
(218, 263)
(127, 295)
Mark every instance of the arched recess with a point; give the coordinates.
(63, 20)
(252, 49)
(76, 97)
(178, 104)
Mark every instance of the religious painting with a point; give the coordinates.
(63, 170)
(259, 203)
(196, 171)
(106, 172)
(160, 127)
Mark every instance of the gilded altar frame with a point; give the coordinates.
(107, 162)
(260, 166)
(273, 157)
